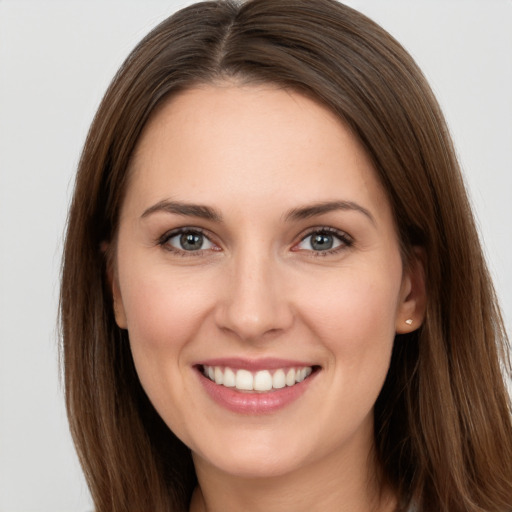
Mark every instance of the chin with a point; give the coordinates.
(254, 459)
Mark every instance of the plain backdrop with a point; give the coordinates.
(56, 60)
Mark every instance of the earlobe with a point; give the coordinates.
(413, 296)
(119, 312)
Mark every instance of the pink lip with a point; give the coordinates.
(253, 365)
(253, 403)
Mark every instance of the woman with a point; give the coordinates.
(273, 294)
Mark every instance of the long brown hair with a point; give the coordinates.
(442, 421)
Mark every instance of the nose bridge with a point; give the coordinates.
(255, 303)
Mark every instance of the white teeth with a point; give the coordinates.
(262, 380)
(229, 378)
(278, 380)
(244, 380)
(219, 375)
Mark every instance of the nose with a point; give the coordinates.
(254, 304)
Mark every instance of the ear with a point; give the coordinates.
(113, 283)
(119, 312)
(413, 295)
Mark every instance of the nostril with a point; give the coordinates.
(252, 320)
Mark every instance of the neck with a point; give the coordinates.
(335, 484)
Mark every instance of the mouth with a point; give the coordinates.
(255, 388)
(261, 381)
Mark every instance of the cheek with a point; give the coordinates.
(355, 305)
(355, 322)
(354, 316)
(162, 309)
(164, 313)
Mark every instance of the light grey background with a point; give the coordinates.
(56, 59)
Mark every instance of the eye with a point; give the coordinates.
(188, 240)
(325, 240)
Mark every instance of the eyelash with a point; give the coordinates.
(345, 239)
(164, 239)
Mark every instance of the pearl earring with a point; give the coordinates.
(409, 321)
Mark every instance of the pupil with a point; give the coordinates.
(322, 242)
(191, 241)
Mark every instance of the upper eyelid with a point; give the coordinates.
(326, 229)
(176, 231)
(163, 241)
(341, 234)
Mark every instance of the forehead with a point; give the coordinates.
(228, 143)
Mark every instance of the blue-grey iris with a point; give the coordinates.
(322, 242)
(191, 241)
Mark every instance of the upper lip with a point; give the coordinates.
(267, 363)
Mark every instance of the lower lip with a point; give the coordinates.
(254, 403)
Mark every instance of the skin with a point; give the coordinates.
(259, 289)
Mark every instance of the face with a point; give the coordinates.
(259, 276)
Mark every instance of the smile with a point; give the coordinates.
(252, 387)
(258, 381)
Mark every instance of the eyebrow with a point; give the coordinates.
(316, 209)
(208, 213)
(185, 209)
